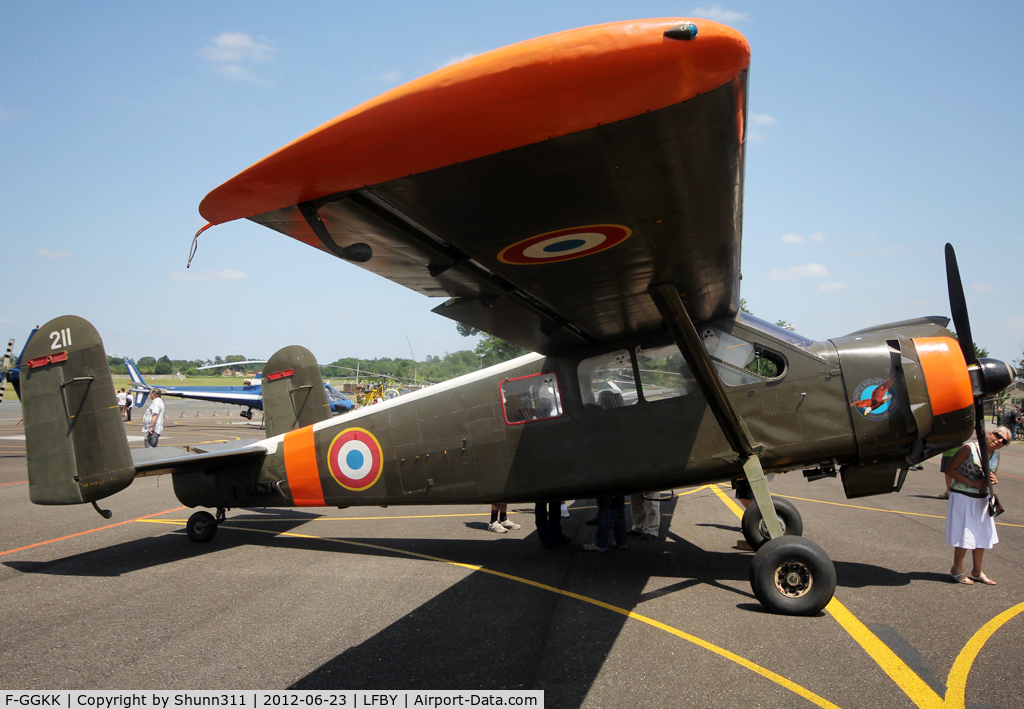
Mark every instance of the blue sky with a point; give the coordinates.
(877, 132)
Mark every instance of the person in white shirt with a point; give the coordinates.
(153, 420)
(121, 399)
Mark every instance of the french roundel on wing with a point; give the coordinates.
(565, 244)
(355, 459)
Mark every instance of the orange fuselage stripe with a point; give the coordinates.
(945, 374)
(301, 469)
(506, 98)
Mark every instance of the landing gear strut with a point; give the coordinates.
(246, 414)
(202, 526)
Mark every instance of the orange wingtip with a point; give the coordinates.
(503, 99)
(945, 374)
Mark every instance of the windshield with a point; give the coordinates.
(775, 331)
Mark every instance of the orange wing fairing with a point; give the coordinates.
(301, 469)
(503, 99)
(945, 374)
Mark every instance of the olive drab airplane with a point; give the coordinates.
(580, 195)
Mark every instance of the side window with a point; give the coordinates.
(607, 381)
(749, 363)
(664, 373)
(532, 398)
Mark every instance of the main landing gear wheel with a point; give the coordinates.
(755, 531)
(792, 576)
(201, 527)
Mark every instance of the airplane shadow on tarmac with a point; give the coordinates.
(483, 632)
(149, 552)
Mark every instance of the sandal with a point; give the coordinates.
(963, 578)
(944, 496)
(982, 578)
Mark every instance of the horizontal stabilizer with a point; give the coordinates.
(162, 461)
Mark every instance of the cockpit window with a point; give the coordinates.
(607, 381)
(740, 362)
(532, 398)
(775, 331)
(664, 374)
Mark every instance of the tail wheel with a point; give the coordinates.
(201, 527)
(755, 531)
(792, 576)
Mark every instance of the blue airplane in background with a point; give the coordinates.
(250, 395)
(10, 370)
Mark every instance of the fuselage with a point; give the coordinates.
(623, 417)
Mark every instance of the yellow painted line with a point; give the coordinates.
(688, 492)
(20, 482)
(722, 652)
(729, 502)
(905, 678)
(956, 683)
(878, 509)
(380, 517)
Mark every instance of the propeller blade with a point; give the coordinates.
(958, 307)
(962, 323)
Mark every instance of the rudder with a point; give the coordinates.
(74, 437)
(293, 391)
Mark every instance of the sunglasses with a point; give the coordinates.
(999, 437)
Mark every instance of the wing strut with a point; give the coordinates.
(680, 326)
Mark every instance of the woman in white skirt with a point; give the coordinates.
(968, 524)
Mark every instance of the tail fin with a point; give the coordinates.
(74, 436)
(293, 391)
(139, 388)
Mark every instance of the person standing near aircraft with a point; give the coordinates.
(121, 399)
(968, 523)
(548, 515)
(153, 420)
(646, 513)
(944, 468)
(611, 517)
(500, 523)
(1010, 420)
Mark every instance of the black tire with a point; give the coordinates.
(755, 531)
(201, 527)
(792, 576)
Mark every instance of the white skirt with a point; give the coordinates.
(968, 524)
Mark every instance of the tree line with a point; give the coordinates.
(434, 369)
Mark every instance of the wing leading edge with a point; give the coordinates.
(553, 243)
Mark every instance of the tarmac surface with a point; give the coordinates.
(427, 598)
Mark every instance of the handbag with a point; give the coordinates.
(995, 508)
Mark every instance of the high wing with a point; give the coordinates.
(540, 187)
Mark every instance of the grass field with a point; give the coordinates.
(122, 382)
